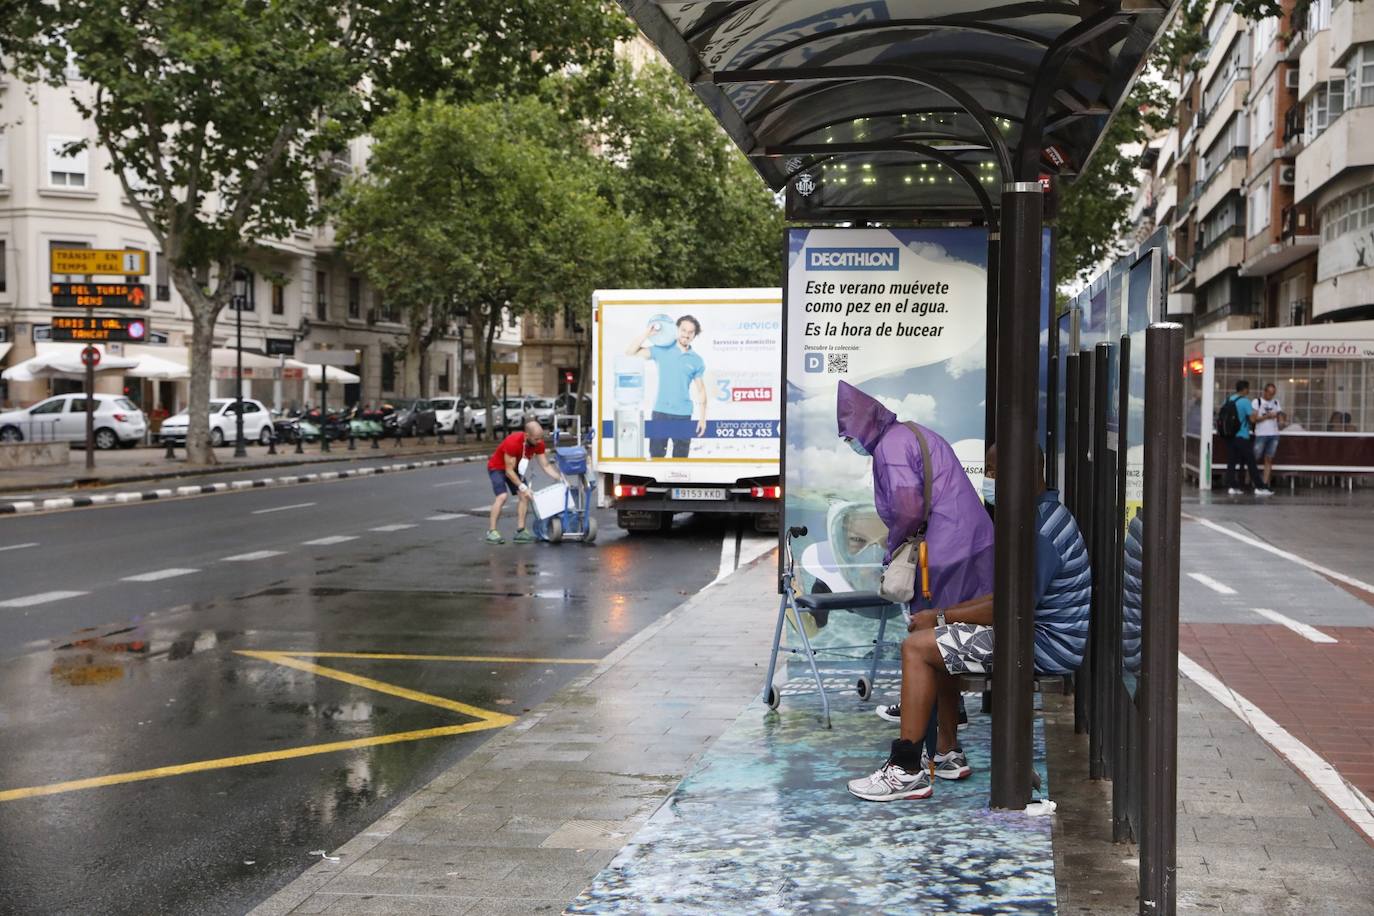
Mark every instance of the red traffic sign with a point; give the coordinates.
(90, 357)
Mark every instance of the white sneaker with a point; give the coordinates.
(951, 765)
(891, 783)
(1232, 491)
(1263, 491)
(891, 713)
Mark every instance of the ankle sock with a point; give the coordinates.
(907, 754)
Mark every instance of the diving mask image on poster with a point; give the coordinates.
(900, 314)
(690, 379)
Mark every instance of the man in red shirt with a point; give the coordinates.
(504, 470)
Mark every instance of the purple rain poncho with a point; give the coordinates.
(959, 537)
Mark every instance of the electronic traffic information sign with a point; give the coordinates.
(100, 295)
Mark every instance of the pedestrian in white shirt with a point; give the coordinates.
(1266, 418)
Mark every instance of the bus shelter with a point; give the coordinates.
(941, 113)
(1324, 380)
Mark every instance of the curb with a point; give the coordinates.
(61, 503)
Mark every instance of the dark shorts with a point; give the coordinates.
(500, 483)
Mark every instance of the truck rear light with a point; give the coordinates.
(625, 489)
(766, 492)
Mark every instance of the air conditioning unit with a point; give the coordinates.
(1290, 78)
(1288, 174)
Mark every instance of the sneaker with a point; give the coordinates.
(1263, 491)
(890, 783)
(494, 537)
(1232, 491)
(891, 713)
(950, 765)
(523, 536)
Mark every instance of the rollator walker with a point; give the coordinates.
(867, 604)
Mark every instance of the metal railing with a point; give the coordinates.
(34, 430)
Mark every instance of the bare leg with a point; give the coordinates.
(1268, 470)
(948, 686)
(920, 661)
(522, 509)
(496, 507)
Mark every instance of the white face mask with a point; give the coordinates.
(857, 447)
(989, 490)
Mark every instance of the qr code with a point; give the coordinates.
(837, 362)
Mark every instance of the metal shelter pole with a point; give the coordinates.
(1163, 488)
(1083, 499)
(1103, 491)
(1018, 356)
(990, 392)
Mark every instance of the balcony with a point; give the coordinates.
(1351, 24)
(1190, 133)
(1298, 239)
(1227, 252)
(1292, 133)
(1343, 145)
(1225, 180)
(1215, 117)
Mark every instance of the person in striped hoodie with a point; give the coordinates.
(958, 640)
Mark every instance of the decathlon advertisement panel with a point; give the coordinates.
(688, 376)
(902, 315)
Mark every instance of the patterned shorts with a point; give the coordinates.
(966, 647)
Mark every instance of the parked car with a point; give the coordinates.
(412, 418)
(257, 423)
(118, 421)
(479, 416)
(543, 410)
(452, 414)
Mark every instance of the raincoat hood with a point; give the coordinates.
(860, 417)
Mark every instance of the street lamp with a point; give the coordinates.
(240, 299)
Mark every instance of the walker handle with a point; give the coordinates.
(797, 531)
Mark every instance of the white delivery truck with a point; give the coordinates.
(687, 403)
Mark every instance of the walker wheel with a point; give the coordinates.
(773, 699)
(555, 530)
(590, 536)
(864, 688)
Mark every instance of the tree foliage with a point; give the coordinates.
(482, 210)
(712, 219)
(216, 115)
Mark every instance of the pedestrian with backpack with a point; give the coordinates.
(1233, 425)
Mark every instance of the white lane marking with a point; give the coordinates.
(441, 518)
(1306, 631)
(332, 539)
(486, 508)
(753, 548)
(283, 508)
(40, 598)
(255, 555)
(452, 483)
(1291, 557)
(171, 573)
(1323, 776)
(391, 528)
(727, 557)
(18, 546)
(1213, 584)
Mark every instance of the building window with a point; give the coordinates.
(249, 301)
(355, 297)
(445, 383)
(388, 371)
(1324, 106)
(66, 170)
(278, 299)
(1257, 213)
(386, 311)
(1262, 123)
(321, 295)
(1348, 213)
(4, 157)
(1359, 77)
(1263, 37)
(162, 288)
(2, 265)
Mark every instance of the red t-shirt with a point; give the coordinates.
(515, 446)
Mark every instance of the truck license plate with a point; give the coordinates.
(698, 493)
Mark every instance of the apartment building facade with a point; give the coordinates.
(300, 288)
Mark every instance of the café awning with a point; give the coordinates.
(906, 105)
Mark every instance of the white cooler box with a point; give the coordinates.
(551, 500)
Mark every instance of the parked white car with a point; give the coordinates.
(451, 413)
(257, 423)
(118, 421)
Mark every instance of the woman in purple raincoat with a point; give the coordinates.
(960, 556)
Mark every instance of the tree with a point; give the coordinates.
(713, 221)
(485, 209)
(216, 116)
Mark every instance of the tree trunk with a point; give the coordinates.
(414, 364)
(492, 319)
(477, 320)
(204, 310)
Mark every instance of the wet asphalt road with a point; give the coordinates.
(147, 672)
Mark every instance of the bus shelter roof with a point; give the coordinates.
(893, 106)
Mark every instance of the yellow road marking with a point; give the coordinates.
(487, 719)
(220, 763)
(398, 657)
